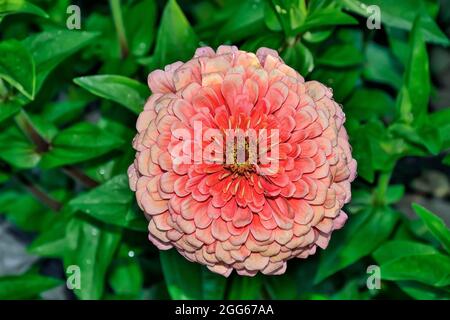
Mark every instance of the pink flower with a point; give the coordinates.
(244, 216)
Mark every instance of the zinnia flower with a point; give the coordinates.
(245, 216)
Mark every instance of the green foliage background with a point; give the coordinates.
(68, 105)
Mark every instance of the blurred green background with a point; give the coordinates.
(69, 100)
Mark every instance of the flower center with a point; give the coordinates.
(241, 158)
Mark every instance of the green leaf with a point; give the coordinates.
(365, 104)
(140, 22)
(427, 136)
(246, 288)
(247, 20)
(17, 67)
(26, 212)
(270, 17)
(125, 91)
(342, 83)
(381, 66)
(421, 291)
(446, 160)
(282, 287)
(49, 48)
(111, 203)
(17, 150)
(42, 126)
(324, 18)
(417, 76)
(385, 149)
(52, 241)
(394, 193)
(288, 14)
(61, 112)
(431, 269)
(395, 249)
(176, 39)
(10, 107)
(25, 286)
(8, 7)
(270, 40)
(315, 36)
(187, 280)
(441, 120)
(78, 143)
(126, 276)
(213, 285)
(341, 56)
(435, 225)
(91, 248)
(361, 236)
(299, 57)
(351, 292)
(4, 177)
(401, 14)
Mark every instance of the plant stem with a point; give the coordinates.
(382, 186)
(80, 176)
(24, 123)
(120, 27)
(38, 193)
(42, 146)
